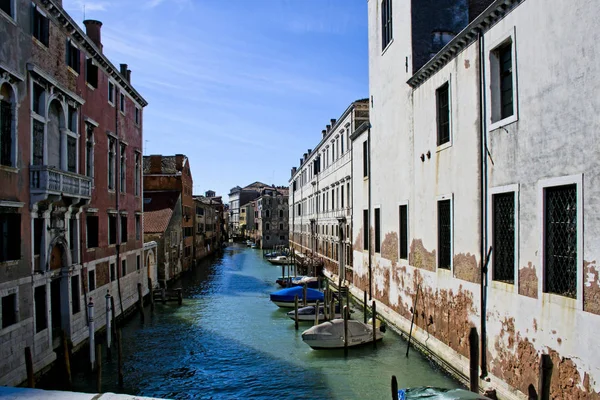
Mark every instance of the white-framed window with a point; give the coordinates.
(503, 232)
(443, 116)
(91, 278)
(562, 238)
(138, 115)
(122, 102)
(503, 107)
(9, 8)
(403, 230)
(444, 232)
(123, 168)
(111, 93)
(112, 160)
(89, 150)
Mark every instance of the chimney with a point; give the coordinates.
(155, 164)
(129, 75)
(179, 161)
(92, 30)
(301, 161)
(328, 128)
(333, 122)
(305, 155)
(323, 132)
(123, 70)
(309, 151)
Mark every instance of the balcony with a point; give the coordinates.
(46, 181)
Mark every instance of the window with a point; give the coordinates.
(71, 154)
(342, 144)
(40, 26)
(342, 197)
(506, 83)
(41, 313)
(91, 73)
(281, 237)
(444, 234)
(10, 236)
(38, 231)
(138, 171)
(123, 169)
(442, 96)
(89, 152)
(92, 231)
(333, 199)
(280, 227)
(138, 262)
(299, 209)
(91, 280)
(503, 84)
(503, 237)
(122, 103)
(6, 6)
(137, 115)
(111, 93)
(6, 125)
(280, 213)
(365, 229)
(268, 213)
(111, 163)
(267, 226)
(113, 272)
(365, 158)
(138, 227)
(386, 23)
(268, 237)
(72, 56)
(38, 99)
(75, 294)
(123, 267)
(72, 121)
(188, 251)
(9, 310)
(403, 232)
(560, 240)
(377, 230)
(112, 229)
(123, 228)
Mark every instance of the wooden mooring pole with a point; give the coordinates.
(65, 344)
(29, 366)
(374, 325)
(325, 306)
(473, 360)
(365, 307)
(394, 388)
(304, 295)
(296, 311)
(99, 368)
(545, 377)
(120, 357)
(140, 302)
(151, 295)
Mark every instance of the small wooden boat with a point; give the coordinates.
(279, 260)
(433, 393)
(310, 281)
(308, 313)
(330, 334)
(285, 297)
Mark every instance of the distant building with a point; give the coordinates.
(208, 214)
(247, 219)
(172, 173)
(271, 218)
(237, 197)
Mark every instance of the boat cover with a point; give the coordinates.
(288, 294)
(336, 328)
(431, 393)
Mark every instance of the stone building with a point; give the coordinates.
(172, 173)
(207, 225)
(271, 218)
(70, 199)
(237, 197)
(163, 224)
(474, 186)
(247, 212)
(320, 188)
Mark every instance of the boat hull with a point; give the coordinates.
(330, 335)
(292, 304)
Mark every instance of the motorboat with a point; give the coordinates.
(285, 297)
(279, 260)
(308, 313)
(310, 281)
(433, 393)
(330, 334)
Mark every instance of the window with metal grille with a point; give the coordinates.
(40, 25)
(41, 313)
(442, 96)
(366, 229)
(506, 80)
(386, 23)
(10, 236)
(403, 232)
(503, 237)
(560, 240)
(377, 230)
(444, 234)
(5, 133)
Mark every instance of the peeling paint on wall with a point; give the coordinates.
(591, 289)
(389, 247)
(528, 281)
(420, 257)
(466, 268)
(358, 243)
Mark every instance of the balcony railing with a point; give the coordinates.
(49, 180)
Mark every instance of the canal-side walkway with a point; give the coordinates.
(229, 341)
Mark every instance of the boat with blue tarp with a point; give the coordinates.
(285, 297)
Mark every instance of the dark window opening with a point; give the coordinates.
(9, 310)
(38, 232)
(377, 231)
(40, 26)
(41, 313)
(113, 272)
(72, 56)
(138, 227)
(404, 232)
(444, 234)
(38, 142)
(6, 133)
(75, 294)
(91, 73)
(560, 240)
(123, 267)
(503, 239)
(366, 229)
(138, 263)
(6, 6)
(365, 158)
(443, 114)
(111, 92)
(123, 229)
(506, 81)
(91, 280)
(10, 236)
(71, 154)
(92, 231)
(112, 229)
(386, 23)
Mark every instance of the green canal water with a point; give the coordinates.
(228, 341)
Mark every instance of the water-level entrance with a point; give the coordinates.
(228, 341)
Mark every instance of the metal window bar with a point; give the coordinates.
(560, 228)
(444, 234)
(503, 238)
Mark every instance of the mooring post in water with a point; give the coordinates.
(296, 311)
(179, 296)
(91, 333)
(473, 360)
(412, 321)
(29, 366)
(374, 325)
(394, 388)
(545, 376)
(331, 305)
(163, 296)
(365, 307)
(317, 313)
(65, 344)
(108, 325)
(325, 306)
(140, 301)
(114, 317)
(99, 368)
(120, 357)
(304, 295)
(151, 295)
(345, 311)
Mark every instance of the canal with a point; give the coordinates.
(228, 341)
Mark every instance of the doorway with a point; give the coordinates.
(55, 303)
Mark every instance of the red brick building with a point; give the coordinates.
(172, 173)
(70, 182)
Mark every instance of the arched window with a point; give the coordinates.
(7, 125)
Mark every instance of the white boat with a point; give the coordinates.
(279, 260)
(330, 335)
(308, 313)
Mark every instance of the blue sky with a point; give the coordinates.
(242, 87)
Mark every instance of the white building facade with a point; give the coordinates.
(474, 195)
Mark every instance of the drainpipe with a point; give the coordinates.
(368, 232)
(483, 194)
